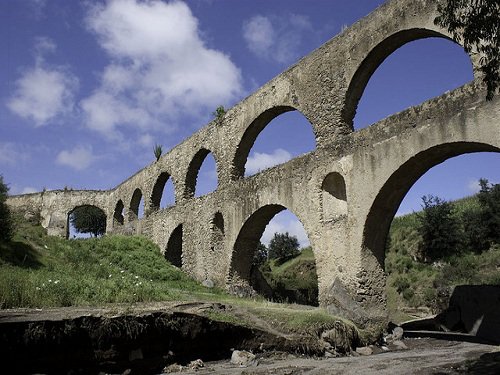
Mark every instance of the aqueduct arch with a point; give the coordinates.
(372, 168)
(397, 185)
(250, 135)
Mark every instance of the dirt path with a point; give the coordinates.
(423, 356)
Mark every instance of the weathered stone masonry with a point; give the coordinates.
(345, 193)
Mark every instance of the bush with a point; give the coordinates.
(5, 215)
(283, 246)
(441, 235)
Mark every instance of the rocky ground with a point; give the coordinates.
(121, 337)
(421, 356)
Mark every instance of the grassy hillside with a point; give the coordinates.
(39, 271)
(294, 280)
(415, 284)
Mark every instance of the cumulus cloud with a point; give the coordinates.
(80, 158)
(259, 161)
(43, 92)
(160, 67)
(11, 153)
(283, 224)
(276, 38)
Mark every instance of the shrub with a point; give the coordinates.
(5, 215)
(282, 247)
(441, 235)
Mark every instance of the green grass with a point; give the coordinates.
(38, 271)
(296, 273)
(41, 271)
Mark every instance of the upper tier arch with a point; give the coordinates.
(374, 58)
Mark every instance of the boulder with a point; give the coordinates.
(242, 358)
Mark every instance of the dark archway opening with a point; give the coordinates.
(163, 194)
(276, 136)
(86, 221)
(136, 210)
(201, 178)
(217, 225)
(272, 262)
(173, 252)
(118, 218)
(333, 197)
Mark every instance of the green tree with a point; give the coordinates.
(476, 24)
(489, 199)
(5, 216)
(89, 219)
(441, 235)
(283, 246)
(260, 255)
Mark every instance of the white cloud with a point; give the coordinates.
(80, 158)
(283, 224)
(12, 154)
(276, 38)
(473, 186)
(43, 92)
(147, 141)
(259, 35)
(259, 161)
(160, 67)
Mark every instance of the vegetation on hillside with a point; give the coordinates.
(37, 270)
(446, 244)
(294, 280)
(284, 273)
(5, 216)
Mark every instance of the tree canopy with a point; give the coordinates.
(89, 219)
(283, 246)
(439, 228)
(476, 24)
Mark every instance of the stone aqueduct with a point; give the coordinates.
(345, 193)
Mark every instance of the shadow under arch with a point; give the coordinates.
(194, 169)
(118, 213)
(373, 60)
(248, 239)
(391, 194)
(250, 135)
(173, 251)
(134, 204)
(159, 186)
(97, 225)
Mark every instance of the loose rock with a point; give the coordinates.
(364, 350)
(242, 358)
(399, 344)
(397, 333)
(196, 364)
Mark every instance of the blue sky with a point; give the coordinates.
(88, 87)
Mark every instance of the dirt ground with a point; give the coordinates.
(423, 356)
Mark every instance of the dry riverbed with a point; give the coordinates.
(422, 356)
(147, 338)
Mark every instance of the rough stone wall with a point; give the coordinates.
(372, 168)
(54, 206)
